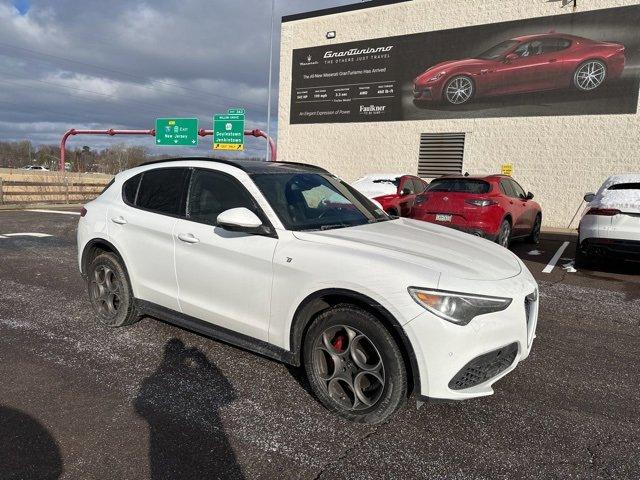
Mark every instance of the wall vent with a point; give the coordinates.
(440, 154)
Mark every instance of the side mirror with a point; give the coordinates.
(529, 196)
(405, 192)
(240, 220)
(589, 197)
(510, 57)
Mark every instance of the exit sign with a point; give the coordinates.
(228, 130)
(177, 132)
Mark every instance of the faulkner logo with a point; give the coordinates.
(372, 109)
(357, 51)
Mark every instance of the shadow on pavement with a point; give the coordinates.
(181, 403)
(27, 449)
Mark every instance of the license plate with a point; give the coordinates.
(443, 218)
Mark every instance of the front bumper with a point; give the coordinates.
(461, 362)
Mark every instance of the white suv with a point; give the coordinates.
(287, 260)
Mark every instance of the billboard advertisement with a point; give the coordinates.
(571, 64)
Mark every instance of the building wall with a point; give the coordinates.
(557, 158)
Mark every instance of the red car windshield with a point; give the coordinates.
(498, 51)
(462, 185)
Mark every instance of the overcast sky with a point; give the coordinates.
(122, 63)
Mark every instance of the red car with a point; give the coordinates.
(494, 207)
(523, 64)
(396, 193)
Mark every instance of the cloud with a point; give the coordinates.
(72, 63)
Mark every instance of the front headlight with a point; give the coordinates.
(438, 76)
(458, 308)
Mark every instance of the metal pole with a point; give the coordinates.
(273, 15)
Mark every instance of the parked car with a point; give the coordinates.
(528, 63)
(395, 192)
(494, 207)
(610, 226)
(289, 261)
(35, 167)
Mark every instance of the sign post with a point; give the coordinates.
(177, 132)
(228, 130)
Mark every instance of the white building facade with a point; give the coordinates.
(383, 86)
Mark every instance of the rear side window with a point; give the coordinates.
(212, 193)
(461, 185)
(507, 189)
(130, 190)
(163, 191)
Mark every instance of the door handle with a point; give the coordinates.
(553, 60)
(119, 220)
(188, 238)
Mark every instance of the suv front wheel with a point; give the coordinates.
(110, 291)
(354, 366)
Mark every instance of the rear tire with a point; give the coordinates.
(534, 236)
(354, 366)
(504, 234)
(583, 259)
(590, 75)
(110, 291)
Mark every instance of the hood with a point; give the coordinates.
(452, 64)
(371, 189)
(440, 249)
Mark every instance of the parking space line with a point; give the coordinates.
(37, 235)
(63, 212)
(556, 257)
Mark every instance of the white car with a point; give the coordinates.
(287, 260)
(36, 167)
(610, 226)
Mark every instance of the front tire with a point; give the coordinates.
(534, 236)
(354, 366)
(459, 90)
(590, 75)
(504, 234)
(110, 291)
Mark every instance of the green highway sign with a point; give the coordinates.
(228, 131)
(177, 132)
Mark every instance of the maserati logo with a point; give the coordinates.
(446, 199)
(309, 58)
(309, 61)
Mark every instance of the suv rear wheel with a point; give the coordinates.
(110, 291)
(354, 366)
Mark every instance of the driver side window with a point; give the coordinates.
(529, 49)
(211, 193)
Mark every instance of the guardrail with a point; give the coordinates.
(61, 191)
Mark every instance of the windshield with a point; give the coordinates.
(459, 185)
(311, 201)
(498, 51)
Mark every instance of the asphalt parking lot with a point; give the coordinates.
(78, 400)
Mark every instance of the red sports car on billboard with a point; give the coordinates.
(523, 64)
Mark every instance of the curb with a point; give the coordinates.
(41, 206)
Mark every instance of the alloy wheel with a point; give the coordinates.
(459, 90)
(105, 291)
(503, 236)
(350, 367)
(590, 75)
